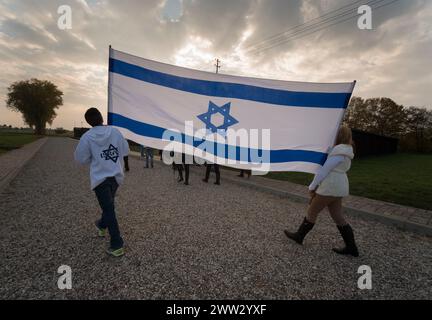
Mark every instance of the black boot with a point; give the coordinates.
(348, 237)
(301, 233)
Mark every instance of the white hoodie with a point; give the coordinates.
(103, 147)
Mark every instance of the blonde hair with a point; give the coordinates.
(344, 136)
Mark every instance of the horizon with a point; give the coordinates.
(387, 61)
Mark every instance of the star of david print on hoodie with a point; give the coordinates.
(103, 147)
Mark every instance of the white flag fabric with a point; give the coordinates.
(147, 99)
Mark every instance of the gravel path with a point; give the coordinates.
(195, 242)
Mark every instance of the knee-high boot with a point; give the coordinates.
(348, 237)
(301, 233)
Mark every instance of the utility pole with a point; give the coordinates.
(217, 65)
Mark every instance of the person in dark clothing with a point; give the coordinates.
(186, 167)
(242, 172)
(179, 167)
(148, 153)
(161, 155)
(126, 163)
(216, 170)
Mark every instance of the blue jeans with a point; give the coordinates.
(149, 156)
(105, 193)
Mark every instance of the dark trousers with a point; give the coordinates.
(126, 163)
(180, 170)
(216, 169)
(105, 193)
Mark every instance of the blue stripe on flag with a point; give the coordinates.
(232, 90)
(276, 156)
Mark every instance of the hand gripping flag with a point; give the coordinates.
(223, 118)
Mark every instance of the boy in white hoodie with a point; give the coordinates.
(103, 147)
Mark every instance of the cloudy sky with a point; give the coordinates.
(393, 59)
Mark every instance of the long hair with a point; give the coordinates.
(344, 136)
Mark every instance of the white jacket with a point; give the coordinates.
(103, 147)
(332, 179)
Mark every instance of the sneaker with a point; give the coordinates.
(100, 232)
(115, 252)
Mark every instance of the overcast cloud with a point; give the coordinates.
(392, 60)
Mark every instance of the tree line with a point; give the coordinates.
(383, 116)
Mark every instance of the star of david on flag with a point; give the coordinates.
(214, 109)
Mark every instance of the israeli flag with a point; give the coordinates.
(245, 123)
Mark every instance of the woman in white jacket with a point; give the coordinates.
(327, 189)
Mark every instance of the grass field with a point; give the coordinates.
(401, 178)
(10, 141)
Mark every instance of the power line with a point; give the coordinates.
(283, 41)
(292, 37)
(302, 24)
(287, 35)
